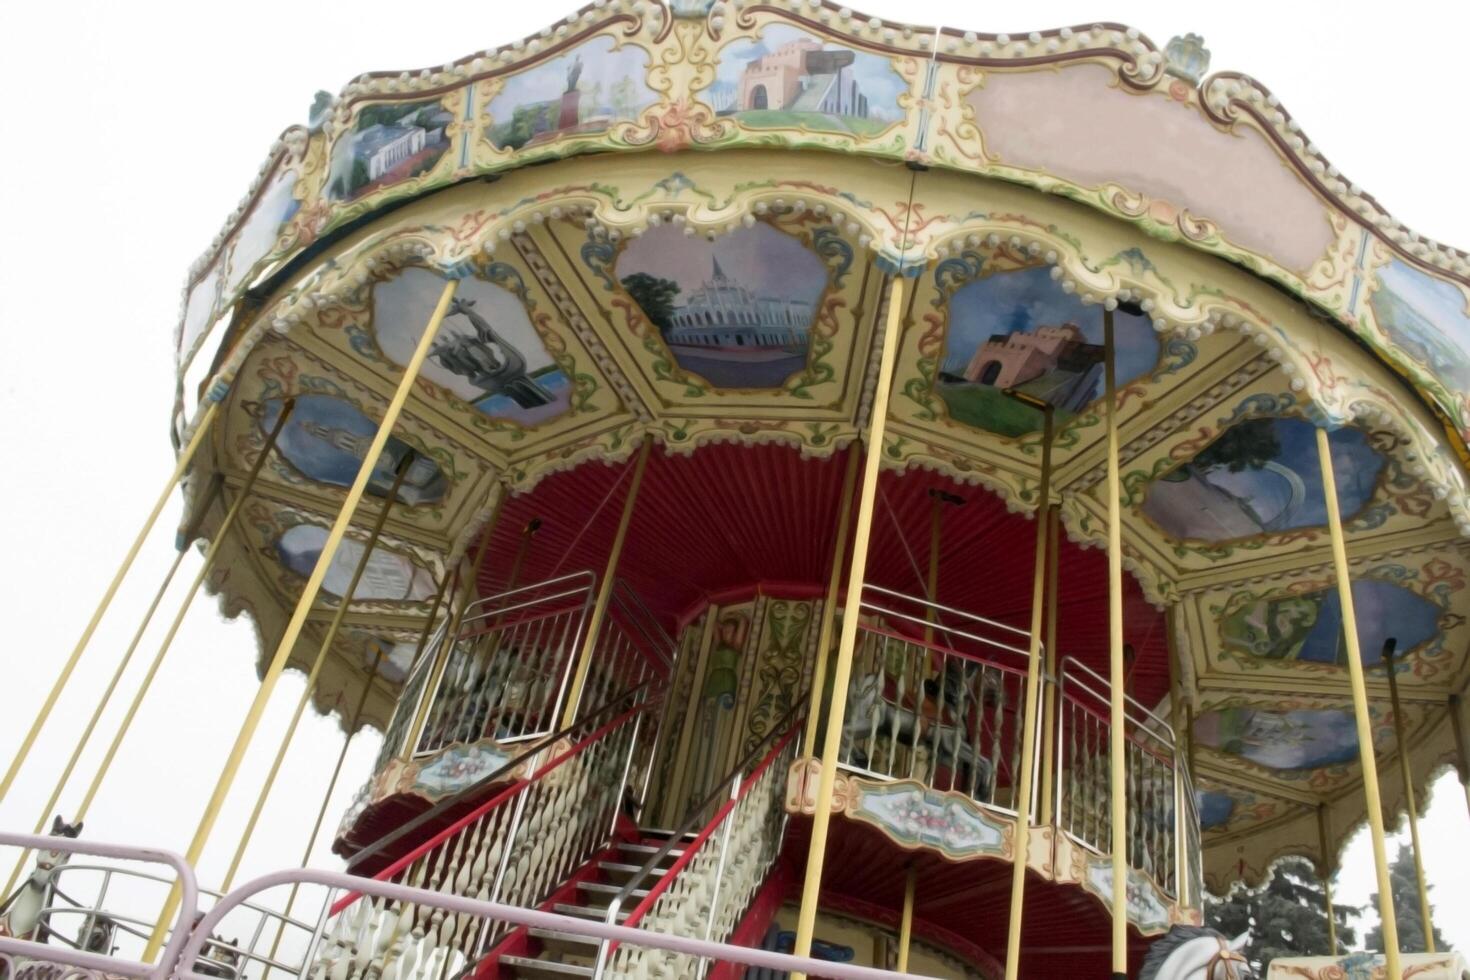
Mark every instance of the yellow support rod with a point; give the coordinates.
(211, 554)
(847, 642)
(309, 688)
(303, 608)
(1116, 680)
(1327, 871)
(906, 922)
(19, 758)
(605, 588)
(1462, 748)
(1413, 808)
(451, 632)
(1360, 709)
(1049, 649)
(1022, 836)
(829, 608)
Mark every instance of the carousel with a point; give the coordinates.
(798, 494)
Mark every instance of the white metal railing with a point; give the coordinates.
(936, 696)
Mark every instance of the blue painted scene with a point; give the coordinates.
(583, 92)
(257, 237)
(325, 439)
(1300, 739)
(1427, 317)
(787, 78)
(1020, 330)
(487, 351)
(1215, 808)
(389, 142)
(1309, 627)
(1261, 476)
(388, 576)
(736, 311)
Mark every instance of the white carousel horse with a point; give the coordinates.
(1196, 953)
(22, 910)
(869, 711)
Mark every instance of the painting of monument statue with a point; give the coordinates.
(736, 311)
(786, 77)
(487, 352)
(388, 143)
(1260, 476)
(388, 576)
(1309, 627)
(1298, 739)
(583, 92)
(1020, 330)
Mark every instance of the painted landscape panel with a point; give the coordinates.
(1309, 627)
(787, 78)
(1299, 739)
(1261, 476)
(487, 351)
(388, 143)
(325, 439)
(736, 311)
(582, 92)
(257, 237)
(1020, 330)
(1427, 317)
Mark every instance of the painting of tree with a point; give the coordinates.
(655, 296)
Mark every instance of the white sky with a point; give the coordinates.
(136, 128)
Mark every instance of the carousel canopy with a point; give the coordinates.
(703, 262)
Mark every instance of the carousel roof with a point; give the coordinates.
(764, 169)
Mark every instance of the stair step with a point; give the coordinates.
(589, 912)
(603, 889)
(524, 966)
(621, 872)
(566, 943)
(648, 850)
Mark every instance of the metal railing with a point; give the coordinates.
(936, 696)
(1155, 784)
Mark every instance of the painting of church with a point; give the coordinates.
(325, 439)
(388, 143)
(487, 352)
(1019, 330)
(738, 311)
(1296, 739)
(1260, 476)
(583, 92)
(1309, 627)
(787, 77)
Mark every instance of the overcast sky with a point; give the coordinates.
(135, 129)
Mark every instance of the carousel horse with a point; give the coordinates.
(22, 910)
(1196, 953)
(869, 711)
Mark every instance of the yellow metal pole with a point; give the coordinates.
(829, 608)
(1409, 803)
(906, 923)
(309, 688)
(1327, 871)
(1462, 749)
(19, 758)
(1360, 709)
(303, 608)
(1022, 836)
(605, 588)
(211, 553)
(1049, 661)
(451, 632)
(847, 642)
(1116, 679)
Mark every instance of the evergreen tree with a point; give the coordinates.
(1286, 917)
(655, 295)
(1405, 887)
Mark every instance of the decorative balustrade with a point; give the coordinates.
(1163, 825)
(706, 891)
(935, 696)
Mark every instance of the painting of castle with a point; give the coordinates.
(1018, 330)
(583, 92)
(388, 143)
(736, 311)
(788, 78)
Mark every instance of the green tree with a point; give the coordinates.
(1285, 917)
(1405, 887)
(1246, 446)
(655, 296)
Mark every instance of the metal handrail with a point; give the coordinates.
(733, 795)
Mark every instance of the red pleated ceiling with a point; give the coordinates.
(731, 518)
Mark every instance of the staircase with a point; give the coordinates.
(547, 953)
